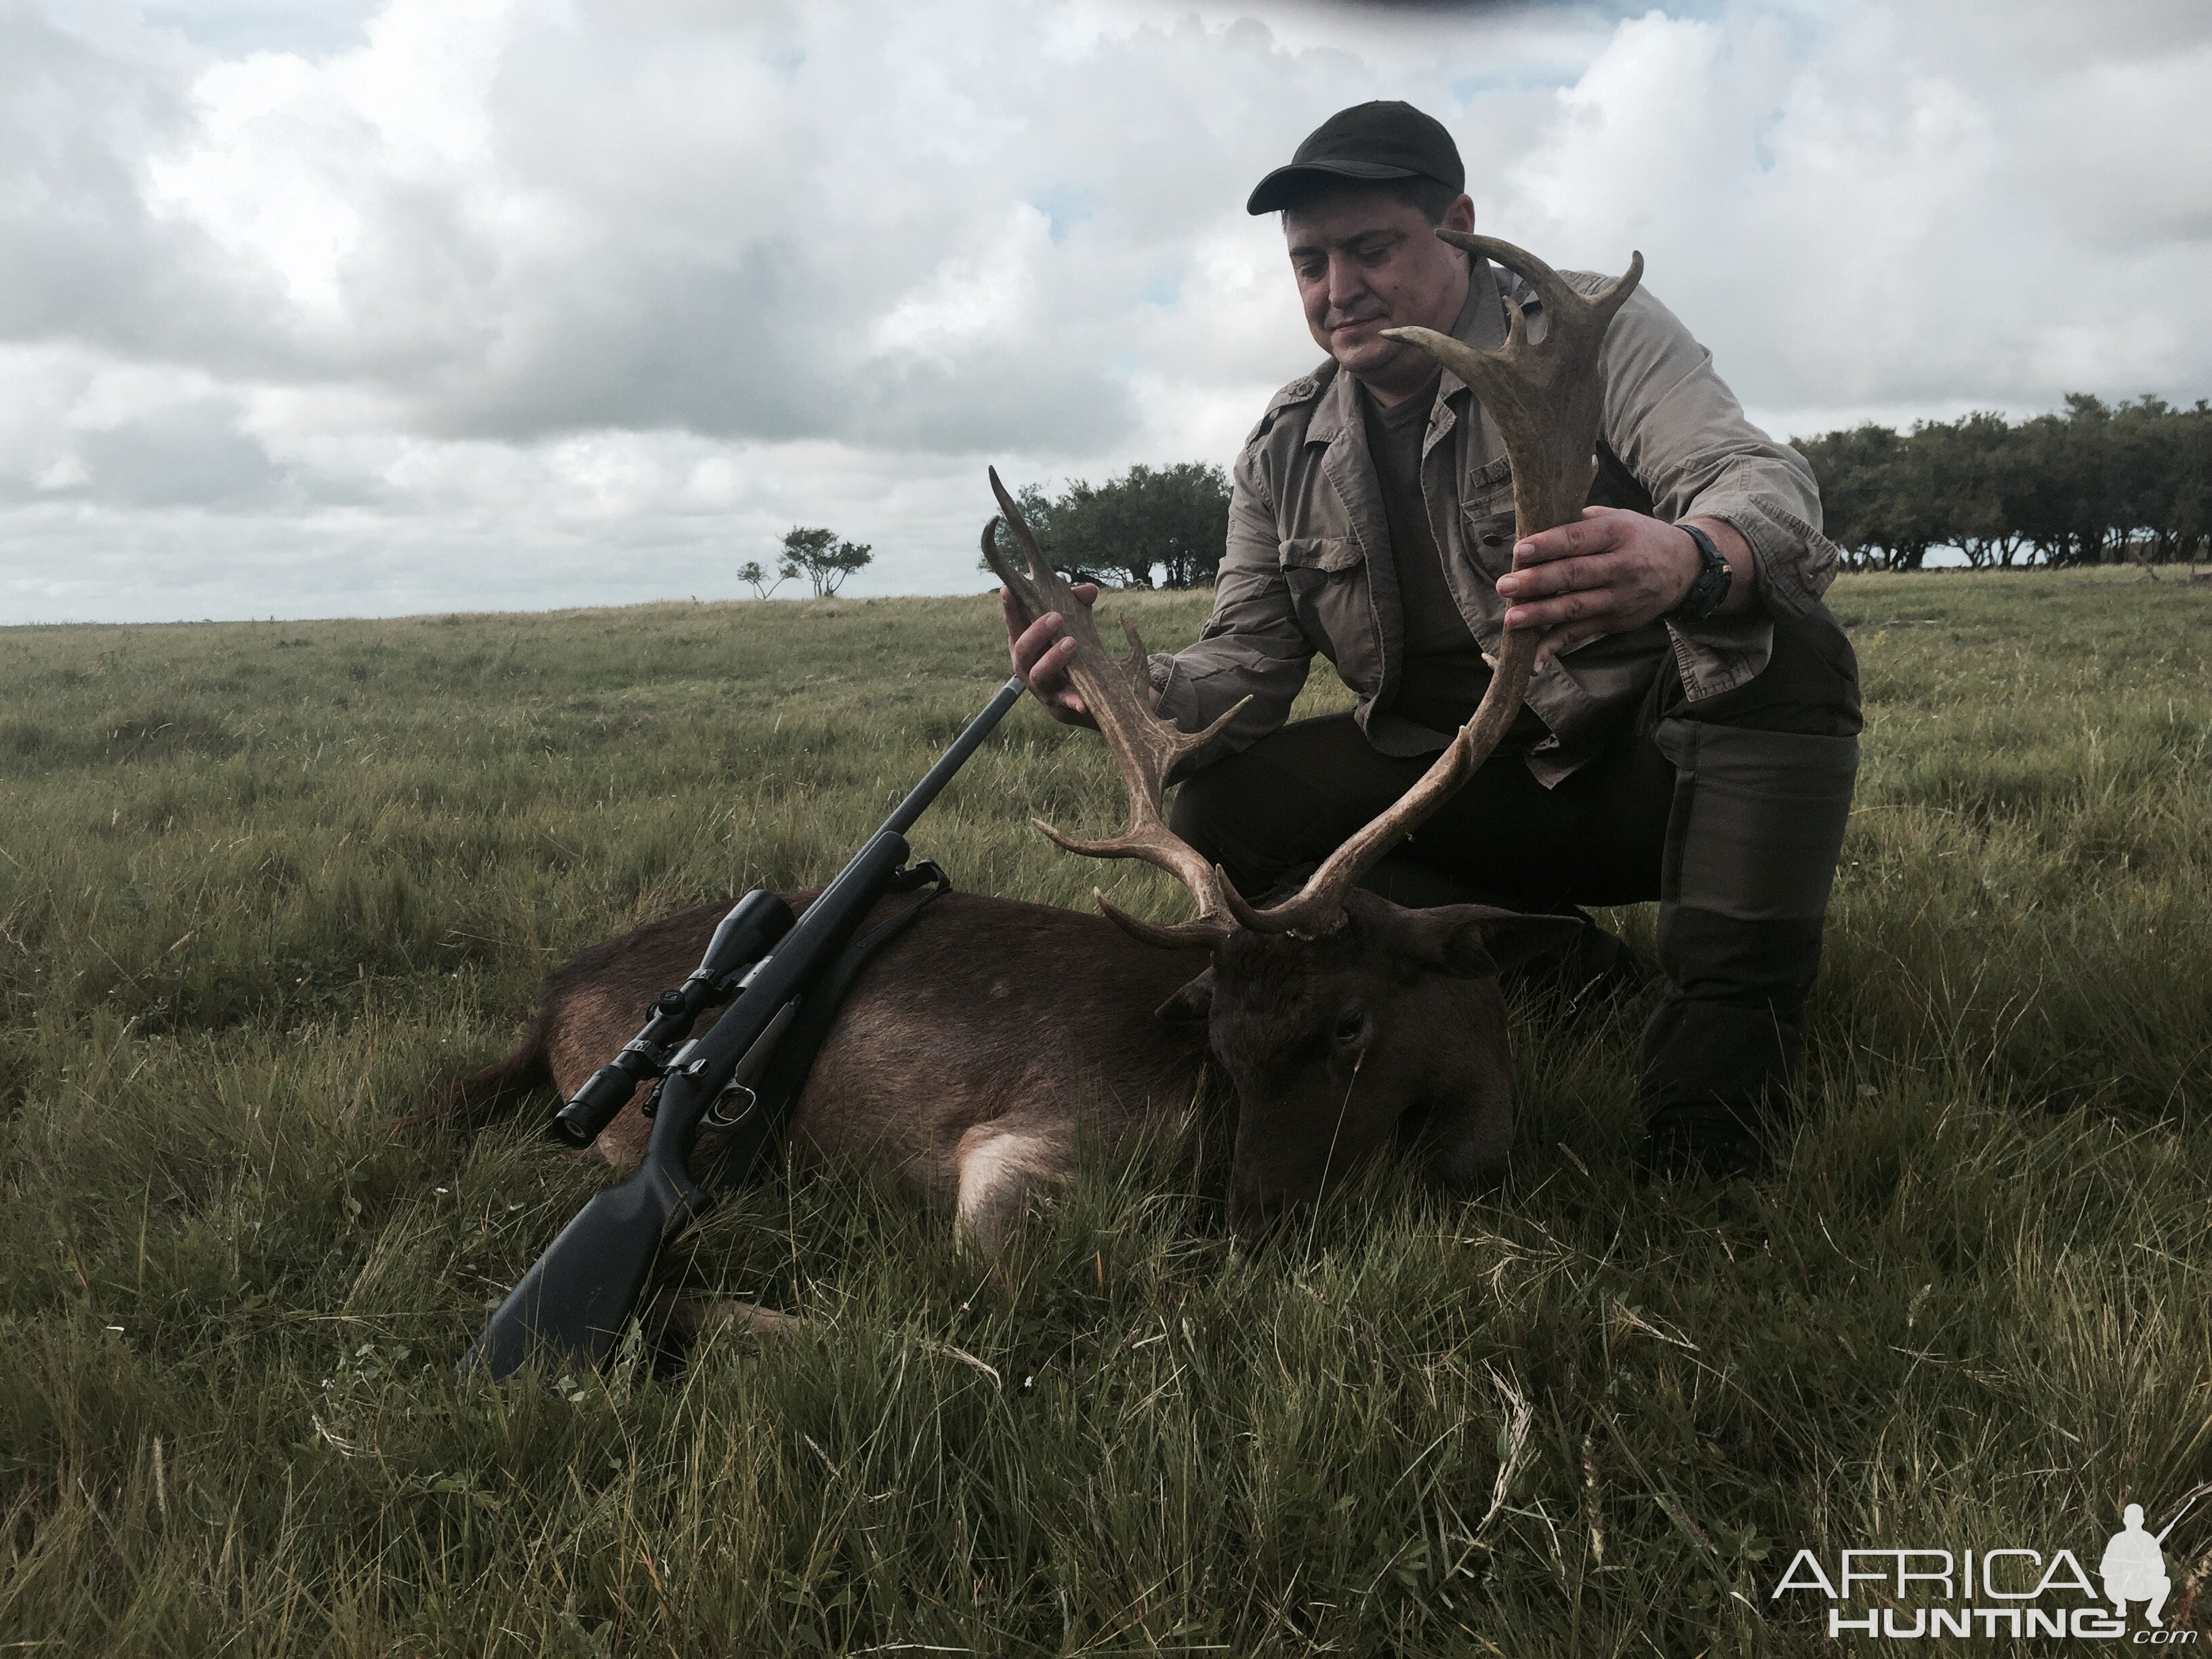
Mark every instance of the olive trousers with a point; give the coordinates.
(1729, 810)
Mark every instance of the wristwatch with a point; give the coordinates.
(1710, 590)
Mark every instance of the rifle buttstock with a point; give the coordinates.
(572, 1306)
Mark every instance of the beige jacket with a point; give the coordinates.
(1309, 568)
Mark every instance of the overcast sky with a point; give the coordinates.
(313, 308)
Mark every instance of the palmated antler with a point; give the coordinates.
(1145, 748)
(1545, 398)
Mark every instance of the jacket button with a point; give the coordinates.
(1493, 541)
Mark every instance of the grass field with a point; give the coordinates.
(265, 887)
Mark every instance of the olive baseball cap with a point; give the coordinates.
(1385, 139)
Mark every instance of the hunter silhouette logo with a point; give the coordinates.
(2134, 1567)
(1902, 1594)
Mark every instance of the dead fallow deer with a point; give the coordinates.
(979, 1050)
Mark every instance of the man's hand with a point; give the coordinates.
(1614, 571)
(1042, 653)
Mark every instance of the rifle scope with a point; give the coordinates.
(744, 937)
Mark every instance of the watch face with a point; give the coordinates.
(1711, 585)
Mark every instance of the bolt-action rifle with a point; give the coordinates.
(572, 1307)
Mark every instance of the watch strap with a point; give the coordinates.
(1711, 589)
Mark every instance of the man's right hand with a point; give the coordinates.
(1042, 651)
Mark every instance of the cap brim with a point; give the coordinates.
(1278, 188)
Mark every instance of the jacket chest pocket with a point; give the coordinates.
(1327, 576)
(1488, 521)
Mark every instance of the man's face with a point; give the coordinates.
(1366, 263)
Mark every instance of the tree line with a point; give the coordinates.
(2098, 484)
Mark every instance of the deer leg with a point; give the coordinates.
(696, 1315)
(1001, 1167)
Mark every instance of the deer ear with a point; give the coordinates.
(1192, 1006)
(1478, 940)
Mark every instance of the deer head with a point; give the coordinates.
(1340, 1017)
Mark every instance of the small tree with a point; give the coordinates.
(820, 557)
(754, 577)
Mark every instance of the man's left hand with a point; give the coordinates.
(1613, 571)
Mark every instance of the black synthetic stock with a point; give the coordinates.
(571, 1307)
(574, 1302)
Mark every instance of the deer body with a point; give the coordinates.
(987, 1044)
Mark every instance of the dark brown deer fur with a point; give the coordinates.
(991, 1040)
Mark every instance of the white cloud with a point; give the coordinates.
(434, 303)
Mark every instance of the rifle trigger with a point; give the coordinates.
(756, 1060)
(718, 1119)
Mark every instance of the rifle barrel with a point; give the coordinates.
(933, 781)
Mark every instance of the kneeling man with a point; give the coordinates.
(1691, 734)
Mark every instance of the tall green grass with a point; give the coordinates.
(265, 887)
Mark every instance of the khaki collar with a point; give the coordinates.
(1482, 319)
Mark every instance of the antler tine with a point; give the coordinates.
(1144, 747)
(1545, 397)
(1555, 291)
(1206, 930)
